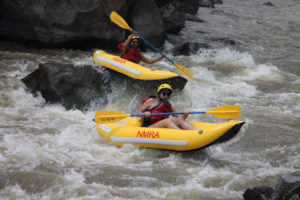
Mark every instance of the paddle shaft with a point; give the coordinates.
(223, 112)
(156, 49)
(183, 70)
(168, 113)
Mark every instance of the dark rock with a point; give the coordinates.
(186, 6)
(188, 48)
(258, 193)
(173, 18)
(168, 7)
(209, 3)
(268, 4)
(288, 186)
(73, 87)
(217, 1)
(77, 24)
(60, 22)
(146, 19)
(82, 86)
(293, 194)
(175, 12)
(227, 41)
(86, 24)
(189, 6)
(202, 32)
(193, 18)
(175, 22)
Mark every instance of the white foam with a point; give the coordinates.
(14, 192)
(230, 57)
(262, 72)
(224, 57)
(236, 90)
(20, 98)
(81, 61)
(168, 46)
(242, 61)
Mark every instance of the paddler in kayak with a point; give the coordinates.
(160, 105)
(130, 51)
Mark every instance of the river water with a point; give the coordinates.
(47, 152)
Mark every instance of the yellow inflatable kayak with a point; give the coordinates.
(129, 130)
(137, 71)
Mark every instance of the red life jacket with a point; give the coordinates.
(131, 54)
(161, 107)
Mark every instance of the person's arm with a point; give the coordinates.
(184, 116)
(153, 60)
(127, 41)
(145, 107)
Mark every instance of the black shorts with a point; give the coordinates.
(147, 123)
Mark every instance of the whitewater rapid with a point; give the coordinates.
(48, 152)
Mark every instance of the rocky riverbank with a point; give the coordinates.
(85, 24)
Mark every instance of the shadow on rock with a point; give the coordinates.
(72, 86)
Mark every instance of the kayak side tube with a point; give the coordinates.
(121, 133)
(128, 68)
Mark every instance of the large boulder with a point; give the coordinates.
(74, 23)
(258, 193)
(288, 188)
(56, 22)
(186, 6)
(145, 17)
(72, 86)
(174, 13)
(80, 87)
(175, 22)
(85, 24)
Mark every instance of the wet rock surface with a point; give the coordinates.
(86, 24)
(72, 86)
(287, 188)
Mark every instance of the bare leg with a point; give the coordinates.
(165, 123)
(183, 124)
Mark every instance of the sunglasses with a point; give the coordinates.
(135, 42)
(166, 94)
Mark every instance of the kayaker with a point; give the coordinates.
(160, 105)
(130, 50)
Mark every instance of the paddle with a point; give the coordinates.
(117, 19)
(224, 112)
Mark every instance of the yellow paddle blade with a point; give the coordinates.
(226, 112)
(184, 71)
(107, 116)
(117, 19)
